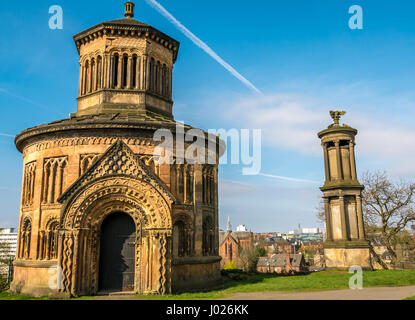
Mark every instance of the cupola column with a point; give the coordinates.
(137, 73)
(339, 160)
(111, 72)
(129, 73)
(81, 74)
(91, 76)
(352, 160)
(326, 161)
(105, 71)
(119, 71)
(96, 73)
(147, 72)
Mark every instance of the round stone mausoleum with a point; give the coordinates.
(99, 211)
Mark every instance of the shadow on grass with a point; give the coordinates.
(241, 282)
(4, 295)
(236, 278)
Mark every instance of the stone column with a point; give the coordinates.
(96, 79)
(104, 71)
(48, 246)
(58, 181)
(40, 254)
(50, 181)
(352, 160)
(178, 181)
(329, 232)
(160, 79)
(339, 159)
(60, 252)
(326, 162)
(87, 72)
(198, 209)
(32, 185)
(75, 262)
(184, 183)
(343, 218)
(98, 73)
(216, 203)
(91, 76)
(143, 73)
(360, 217)
(129, 73)
(111, 72)
(119, 71)
(147, 72)
(81, 71)
(137, 73)
(170, 82)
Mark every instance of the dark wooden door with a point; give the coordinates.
(117, 253)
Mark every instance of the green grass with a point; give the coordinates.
(410, 298)
(324, 280)
(8, 296)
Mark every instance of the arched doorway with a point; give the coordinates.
(117, 253)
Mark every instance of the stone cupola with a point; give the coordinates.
(338, 143)
(125, 67)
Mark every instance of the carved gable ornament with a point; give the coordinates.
(118, 160)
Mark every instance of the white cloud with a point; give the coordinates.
(286, 120)
(292, 121)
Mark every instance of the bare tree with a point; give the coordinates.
(248, 257)
(321, 213)
(388, 206)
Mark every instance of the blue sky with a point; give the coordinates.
(301, 55)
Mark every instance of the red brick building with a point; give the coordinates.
(282, 263)
(231, 244)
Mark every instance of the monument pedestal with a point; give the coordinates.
(341, 255)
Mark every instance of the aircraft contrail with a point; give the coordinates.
(6, 135)
(286, 178)
(201, 44)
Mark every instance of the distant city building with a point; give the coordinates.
(241, 227)
(304, 230)
(8, 236)
(8, 248)
(310, 230)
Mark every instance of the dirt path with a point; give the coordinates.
(374, 293)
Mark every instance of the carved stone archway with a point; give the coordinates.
(81, 220)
